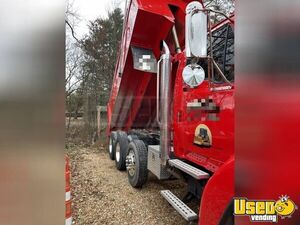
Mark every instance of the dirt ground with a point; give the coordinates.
(102, 195)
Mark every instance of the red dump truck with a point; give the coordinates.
(171, 106)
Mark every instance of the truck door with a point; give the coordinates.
(203, 115)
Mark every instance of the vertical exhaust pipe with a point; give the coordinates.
(164, 103)
(177, 46)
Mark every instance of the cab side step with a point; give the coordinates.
(193, 171)
(179, 206)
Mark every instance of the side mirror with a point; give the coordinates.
(196, 30)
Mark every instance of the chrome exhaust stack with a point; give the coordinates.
(164, 102)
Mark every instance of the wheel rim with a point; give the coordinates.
(118, 152)
(130, 163)
(110, 146)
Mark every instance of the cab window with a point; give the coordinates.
(223, 52)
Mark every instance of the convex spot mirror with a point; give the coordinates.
(193, 75)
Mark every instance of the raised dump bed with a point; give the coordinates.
(133, 96)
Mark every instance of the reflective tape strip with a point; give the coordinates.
(68, 196)
(69, 221)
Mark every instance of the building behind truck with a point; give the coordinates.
(171, 105)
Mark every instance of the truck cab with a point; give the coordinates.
(203, 113)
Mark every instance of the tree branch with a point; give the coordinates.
(72, 31)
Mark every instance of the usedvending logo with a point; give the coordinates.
(265, 210)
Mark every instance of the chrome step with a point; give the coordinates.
(179, 206)
(193, 171)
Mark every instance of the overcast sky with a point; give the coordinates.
(90, 10)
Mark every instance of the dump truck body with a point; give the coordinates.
(171, 110)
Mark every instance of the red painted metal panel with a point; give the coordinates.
(217, 194)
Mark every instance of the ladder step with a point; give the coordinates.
(193, 171)
(179, 206)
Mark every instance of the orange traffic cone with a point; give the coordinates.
(68, 192)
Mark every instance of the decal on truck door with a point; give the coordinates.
(203, 136)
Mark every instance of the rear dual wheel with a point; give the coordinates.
(112, 145)
(131, 156)
(120, 150)
(136, 163)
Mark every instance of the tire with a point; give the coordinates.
(137, 157)
(228, 217)
(112, 145)
(120, 150)
(229, 220)
(132, 137)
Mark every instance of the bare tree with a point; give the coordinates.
(73, 51)
(224, 6)
(71, 19)
(73, 69)
(73, 76)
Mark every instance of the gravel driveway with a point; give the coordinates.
(102, 195)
